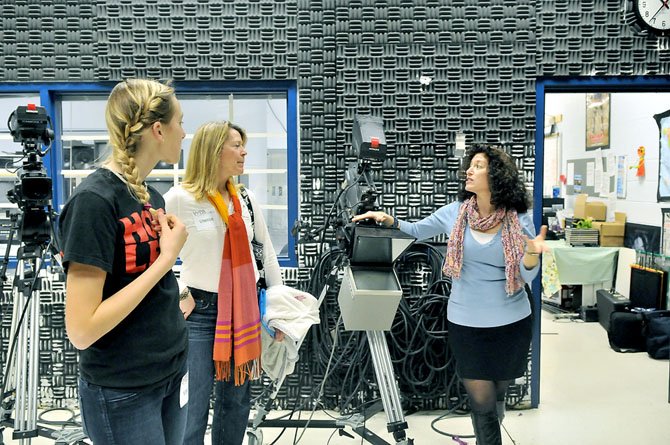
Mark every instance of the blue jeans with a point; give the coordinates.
(121, 417)
(231, 403)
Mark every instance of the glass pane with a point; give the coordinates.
(263, 116)
(162, 185)
(84, 138)
(199, 109)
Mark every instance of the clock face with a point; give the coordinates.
(653, 14)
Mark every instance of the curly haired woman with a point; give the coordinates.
(492, 252)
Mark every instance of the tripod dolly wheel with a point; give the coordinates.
(255, 437)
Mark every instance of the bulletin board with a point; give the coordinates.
(580, 178)
(663, 122)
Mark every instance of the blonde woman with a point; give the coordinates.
(121, 309)
(221, 275)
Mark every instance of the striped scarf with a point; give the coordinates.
(238, 318)
(512, 241)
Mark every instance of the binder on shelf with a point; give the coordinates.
(647, 287)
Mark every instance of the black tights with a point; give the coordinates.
(484, 394)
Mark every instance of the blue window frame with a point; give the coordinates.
(569, 85)
(274, 182)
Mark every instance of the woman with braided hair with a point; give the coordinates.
(492, 252)
(122, 304)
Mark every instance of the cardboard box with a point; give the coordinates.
(594, 209)
(611, 233)
(611, 241)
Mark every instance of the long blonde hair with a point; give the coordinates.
(201, 177)
(133, 105)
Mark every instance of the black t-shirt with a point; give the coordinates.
(102, 225)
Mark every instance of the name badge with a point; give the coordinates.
(205, 219)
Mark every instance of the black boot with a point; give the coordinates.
(500, 409)
(487, 428)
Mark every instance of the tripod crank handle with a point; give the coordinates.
(342, 432)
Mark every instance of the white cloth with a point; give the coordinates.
(201, 254)
(293, 312)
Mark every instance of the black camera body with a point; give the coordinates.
(33, 189)
(359, 193)
(31, 126)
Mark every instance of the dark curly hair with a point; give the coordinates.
(507, 189)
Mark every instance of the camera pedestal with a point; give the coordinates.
(21, 370)
(388, 388)
(381, 360)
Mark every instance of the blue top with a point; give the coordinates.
(478, 297)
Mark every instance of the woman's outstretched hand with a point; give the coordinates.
(380, 217)
(537, 245)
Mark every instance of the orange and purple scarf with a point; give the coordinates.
(512, 241)
(238, 320)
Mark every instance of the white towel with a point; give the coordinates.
(293, 312)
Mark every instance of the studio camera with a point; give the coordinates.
(31, 126)
(359, 193)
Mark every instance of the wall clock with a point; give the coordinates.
(653, 15)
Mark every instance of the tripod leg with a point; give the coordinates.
(27, 355)
(388, 388)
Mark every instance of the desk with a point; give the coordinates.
(591, 267)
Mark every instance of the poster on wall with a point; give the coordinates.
(597, 120)
(621, 177)
(665, 234)
(663, 122)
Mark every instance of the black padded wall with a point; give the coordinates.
(596, 37)
(347, 56)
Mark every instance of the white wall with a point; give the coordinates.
(631, 124)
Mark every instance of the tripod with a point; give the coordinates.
(388, 390)
(381, 361)
(21, 371)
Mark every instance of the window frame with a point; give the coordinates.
(50, 94)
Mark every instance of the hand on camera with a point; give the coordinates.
(379, 217)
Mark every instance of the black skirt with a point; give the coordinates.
(498, 353)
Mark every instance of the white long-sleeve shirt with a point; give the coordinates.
(201, 254)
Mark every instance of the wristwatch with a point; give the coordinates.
(396, 223)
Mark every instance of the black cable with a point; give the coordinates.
(331, 436)
(417, 341)
(68, 422)
(335, 201)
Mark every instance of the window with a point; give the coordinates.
(267, 111)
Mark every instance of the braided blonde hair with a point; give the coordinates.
(133, 105)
